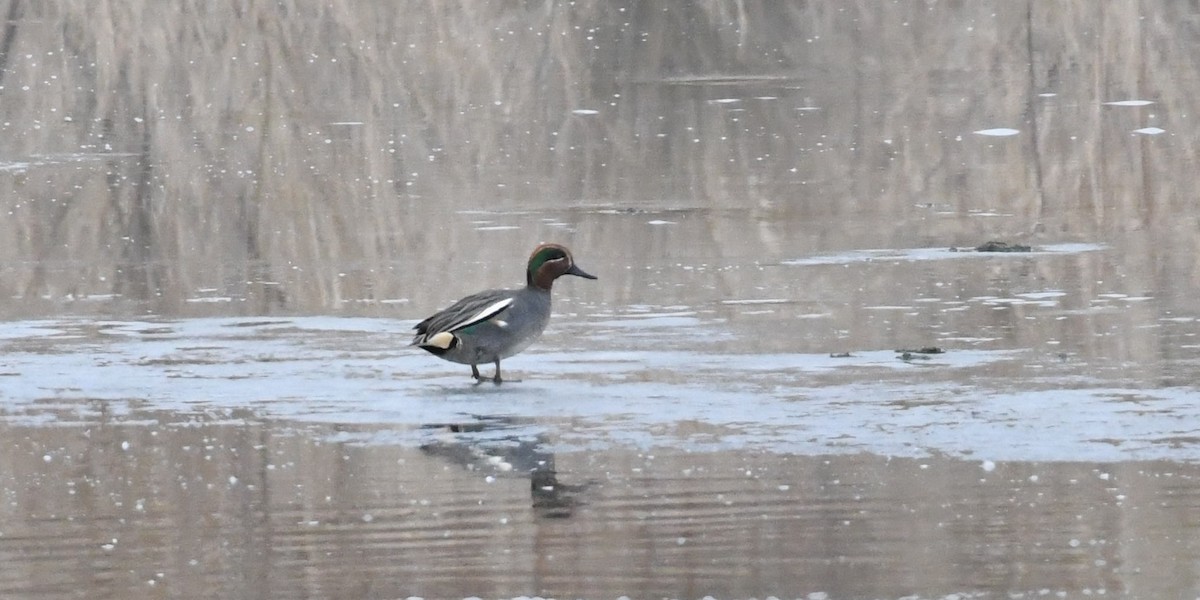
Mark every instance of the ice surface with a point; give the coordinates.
(360, 370)
(920, 254)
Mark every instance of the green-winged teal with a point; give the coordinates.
(496, 324)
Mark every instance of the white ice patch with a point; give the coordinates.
(998, 132)
(757, 301)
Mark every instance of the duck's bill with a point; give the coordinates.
(576, 271)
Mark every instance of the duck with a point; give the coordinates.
(495, 324)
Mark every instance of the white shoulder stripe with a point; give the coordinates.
(483, 315)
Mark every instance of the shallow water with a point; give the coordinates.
(669, 451)
(796, 376)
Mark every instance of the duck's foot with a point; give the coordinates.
(475, 375)
(496, 379)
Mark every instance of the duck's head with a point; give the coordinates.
(549, 262)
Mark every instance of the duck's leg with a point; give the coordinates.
(475, 374)
(497, 380)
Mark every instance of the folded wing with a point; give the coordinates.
(469, 311)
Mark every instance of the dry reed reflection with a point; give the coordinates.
(302, 158)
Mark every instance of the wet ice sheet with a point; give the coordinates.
(922, 254)
(331, 370)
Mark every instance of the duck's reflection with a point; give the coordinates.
(482, 445)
